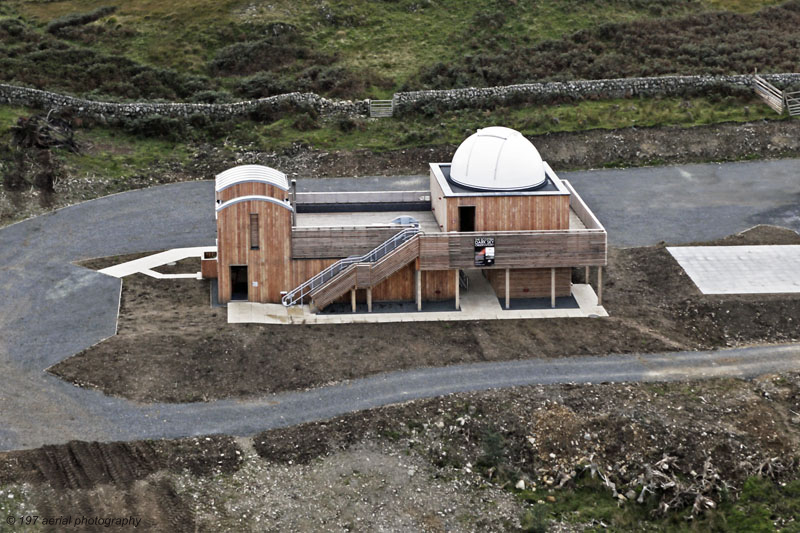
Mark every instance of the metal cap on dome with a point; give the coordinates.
(497, 159)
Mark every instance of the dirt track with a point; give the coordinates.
(173, 347)
(448, 463)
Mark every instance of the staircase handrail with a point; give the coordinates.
(392, 243)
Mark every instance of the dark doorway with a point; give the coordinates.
(466, 218)
(239, 283)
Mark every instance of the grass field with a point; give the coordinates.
(453, 126)
(116, 154)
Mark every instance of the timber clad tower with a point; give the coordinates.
(497, 211)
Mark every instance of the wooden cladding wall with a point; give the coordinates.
(530, 282)
(267, 266)
(436, 285)
(399, 287)
(434, 251)
(531, 249)
(305, 269)
(512, 213)
(438, 203)
(250, 188)
(208, 268)
(308, 243)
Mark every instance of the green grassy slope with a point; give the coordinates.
(351, 48)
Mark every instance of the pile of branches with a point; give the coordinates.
(43, 132)
(676, 490)
(27, 160)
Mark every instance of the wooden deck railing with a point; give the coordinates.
(340, 241)
(580, 208)
(516, 249)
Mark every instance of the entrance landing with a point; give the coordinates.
(475, 305)
(145, 265)
(770, 269)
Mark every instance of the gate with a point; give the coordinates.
(381, 108)
(769, 93)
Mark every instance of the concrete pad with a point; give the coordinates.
(480, 299)
(741, 269)
(145, 265)
(483, 306)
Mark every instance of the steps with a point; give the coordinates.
(346, 270)
(366, 275)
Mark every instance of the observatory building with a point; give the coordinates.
(496, 211)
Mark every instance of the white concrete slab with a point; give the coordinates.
(145, 265)
(480, 308)
(768, 269)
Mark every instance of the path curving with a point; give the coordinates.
(51, 309)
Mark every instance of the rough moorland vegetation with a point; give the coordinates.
(214, 51)
(705, 43)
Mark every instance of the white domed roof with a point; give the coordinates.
(497, 159)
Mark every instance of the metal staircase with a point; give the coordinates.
(358, 270)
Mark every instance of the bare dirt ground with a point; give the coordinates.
(558, 458)
(564, 151)
(172, 346)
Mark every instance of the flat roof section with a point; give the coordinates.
(427, 221)
(741, 269)
(575, 221)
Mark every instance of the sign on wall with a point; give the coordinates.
(484, 251)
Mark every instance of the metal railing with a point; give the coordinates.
(463, 280)
(391, 244)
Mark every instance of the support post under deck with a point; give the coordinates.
(418, 288)
(600, 285)
(458, 289)
(508, 288)
(553, 288)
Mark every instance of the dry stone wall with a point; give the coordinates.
(35, 98)
(581, 89)
(405, 101)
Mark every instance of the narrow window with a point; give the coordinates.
(254, 231)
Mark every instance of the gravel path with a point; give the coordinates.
(51, 309)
